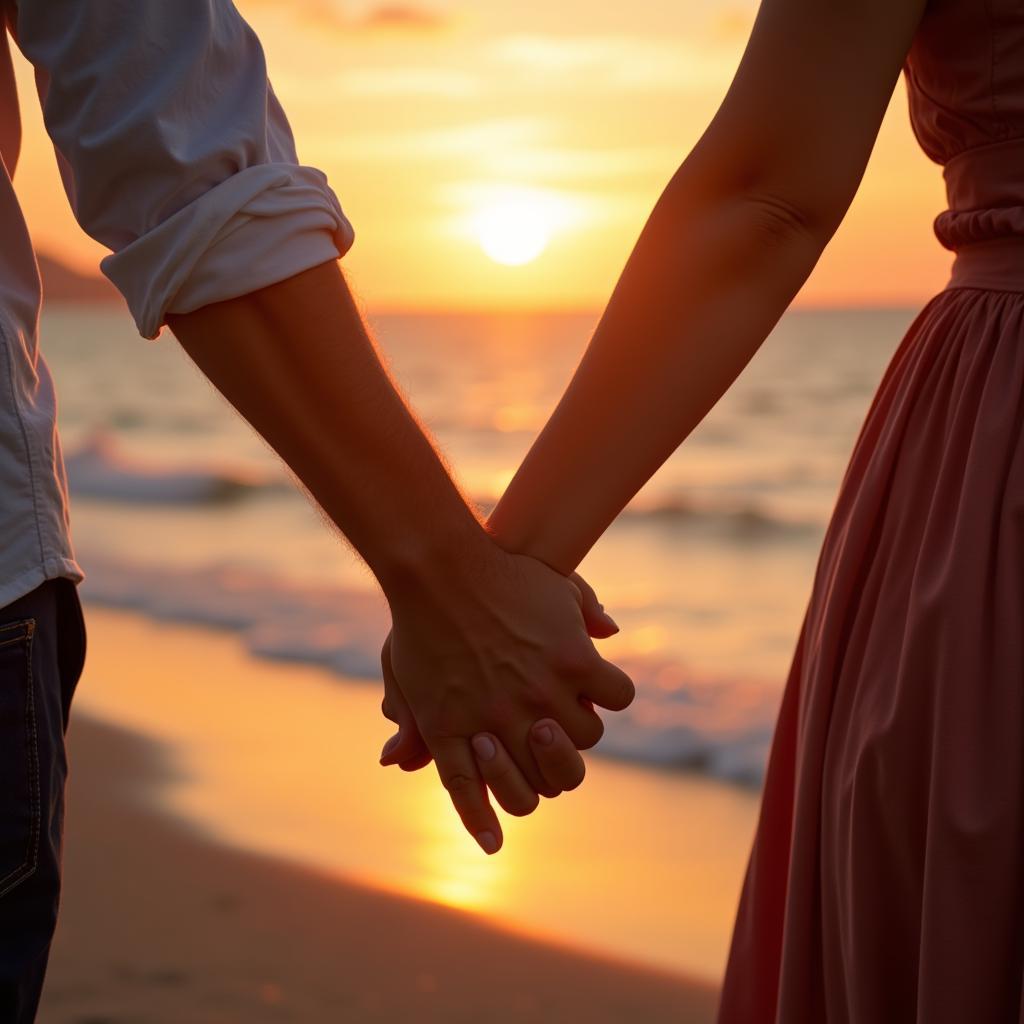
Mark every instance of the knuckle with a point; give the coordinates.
(502, 712)
(496, 771)
(575, 780)
(460, 785)
(535, 779)
(524, 806)
(627, 692)
(533, 693)
(577, 658)
(589, 735)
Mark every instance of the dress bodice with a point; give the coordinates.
(965, 80)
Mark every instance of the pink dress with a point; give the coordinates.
(886, 880)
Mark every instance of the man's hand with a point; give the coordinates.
(492, 646)
(406, 747)
(483, 641)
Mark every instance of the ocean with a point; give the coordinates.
(180, 511)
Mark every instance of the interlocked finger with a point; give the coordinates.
(460, 776)
(502, 775)
(406, 747)
(608, 686)
(558, 759)
(578, 721)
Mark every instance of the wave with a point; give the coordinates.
(679, 720)
(98, 469)
(734, 519)
(717, 726)
(738, 518)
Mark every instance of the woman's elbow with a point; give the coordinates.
(777, 218)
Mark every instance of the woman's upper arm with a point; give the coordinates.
(798, 123)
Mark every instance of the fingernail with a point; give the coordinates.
(488, 841)
(389, 746)
(543, 734)
(611, 622)
(484, 747)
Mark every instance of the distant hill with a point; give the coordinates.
(62, 284)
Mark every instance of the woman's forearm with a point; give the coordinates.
(708, 279)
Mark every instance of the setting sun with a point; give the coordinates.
(513, 231)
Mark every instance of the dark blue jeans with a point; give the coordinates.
(42, 651)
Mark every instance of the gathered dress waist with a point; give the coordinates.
(984, 224)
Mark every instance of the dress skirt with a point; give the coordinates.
(886, 879)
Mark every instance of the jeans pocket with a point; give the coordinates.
(72, 642)
(20, 804)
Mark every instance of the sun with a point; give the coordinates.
(513, 231)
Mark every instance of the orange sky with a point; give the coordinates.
(424, 118)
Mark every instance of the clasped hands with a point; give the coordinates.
(490, 671)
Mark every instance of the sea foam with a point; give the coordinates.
(99, 469)
(679, 719)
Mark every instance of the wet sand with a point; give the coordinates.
(160, 924)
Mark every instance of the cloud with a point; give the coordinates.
(384, 83)
(464, 141)
(403, 18)
(559, 163)
(619, 63)
(530, 151)
(332, 16)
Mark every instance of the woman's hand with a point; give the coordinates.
(560, 763)
(493, 649)
(406, 747)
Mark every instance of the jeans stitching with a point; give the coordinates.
(28, 866)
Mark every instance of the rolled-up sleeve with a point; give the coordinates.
(174, 151)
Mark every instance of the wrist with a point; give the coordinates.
(506, 529)
(520, 534)
(427, 569)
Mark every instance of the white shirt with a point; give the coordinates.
(176, 155)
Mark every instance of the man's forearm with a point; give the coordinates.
(296, 361)
(482, 640)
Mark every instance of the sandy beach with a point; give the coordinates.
(160, 922)
(159, 925)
